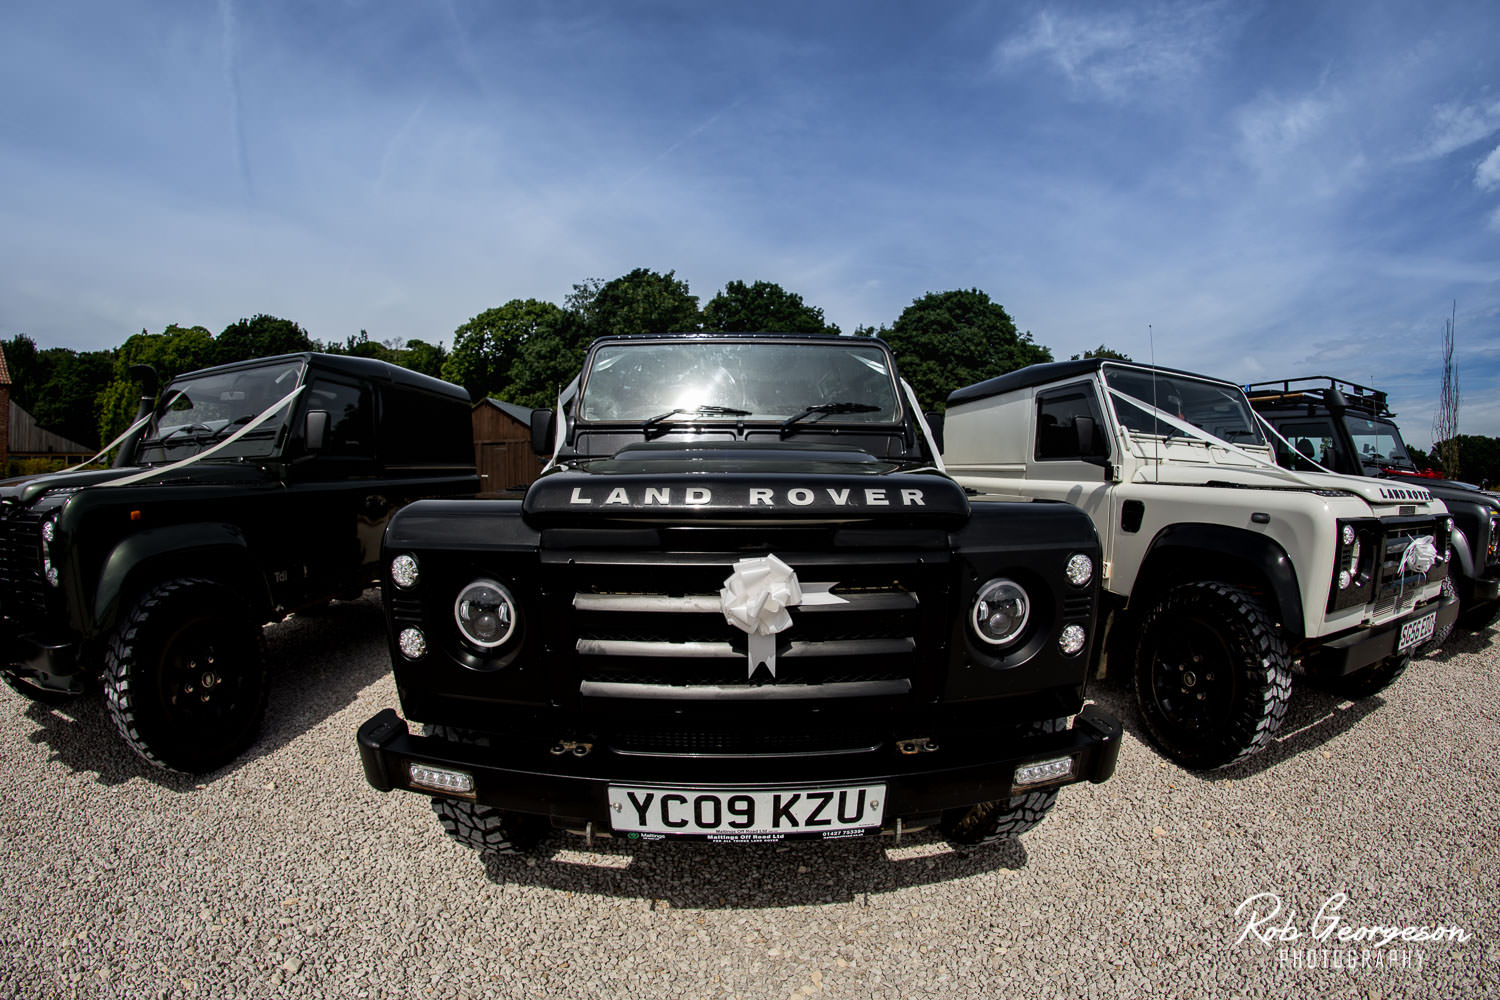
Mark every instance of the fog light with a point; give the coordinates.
(1072, 638)
(441, 779)
(1080, 569)
(1043, 771)
(413, 643)
(404, 571)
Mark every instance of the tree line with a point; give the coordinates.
(527, 349)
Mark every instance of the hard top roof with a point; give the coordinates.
(1056, 371)
(367, 368)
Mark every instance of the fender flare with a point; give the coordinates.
(211, 549)
(1257, 556)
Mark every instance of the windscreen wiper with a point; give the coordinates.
(650, 423)
(825, 408)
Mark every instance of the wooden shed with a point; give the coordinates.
(502, 445)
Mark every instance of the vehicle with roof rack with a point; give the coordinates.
(241, 494)
(1350, 428)
(742, 603)
(1221, 569)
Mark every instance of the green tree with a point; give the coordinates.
(642, 301)
(1481, 458)
(420, 356)
(172, 352)
(260, 337)
(1102, 352)
(763, 306)
(517, 350)
(946, 340)
(58, 386)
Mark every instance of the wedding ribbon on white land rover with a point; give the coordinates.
(261, 418)
(755, 600)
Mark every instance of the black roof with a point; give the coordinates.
(738, 335)
(368, 368)
(1055, 371)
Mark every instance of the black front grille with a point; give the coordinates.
(741, 743)
(23, 593)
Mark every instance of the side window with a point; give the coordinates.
(351, 424)
(1068, 425)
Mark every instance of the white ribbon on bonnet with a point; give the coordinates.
(755, 600)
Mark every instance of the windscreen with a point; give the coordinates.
(1218, 409)
(197, 413)
(753, 380)
(1378, 443)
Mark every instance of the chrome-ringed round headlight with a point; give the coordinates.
(486, 613)
(1000, 613)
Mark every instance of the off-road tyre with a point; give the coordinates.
(29, 689)
(1003, 819)
(484, 828)
(1370, 680)
(1212, 675)
(184, 679)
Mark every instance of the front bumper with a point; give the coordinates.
(49, 665)
(1473, 592)
(572, 790)
(1365, 646)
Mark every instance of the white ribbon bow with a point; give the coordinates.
(755, 599)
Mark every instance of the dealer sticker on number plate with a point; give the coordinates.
(1417, 630)
(746, 815)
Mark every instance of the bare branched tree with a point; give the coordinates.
(1445, 420)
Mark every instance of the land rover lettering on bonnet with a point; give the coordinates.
(743, 603)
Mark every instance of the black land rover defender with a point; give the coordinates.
(1350, 428)
(742, 603)
(246, 492)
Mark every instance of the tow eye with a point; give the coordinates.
(572, 747)
(919, 744)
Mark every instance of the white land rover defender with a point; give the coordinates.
(1220, 568)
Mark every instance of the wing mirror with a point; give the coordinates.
(543, 431)
(315, 430)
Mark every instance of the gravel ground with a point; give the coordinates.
(286, 875)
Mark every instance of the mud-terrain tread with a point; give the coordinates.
(121, 677)
(485, 828)
(1263, 673)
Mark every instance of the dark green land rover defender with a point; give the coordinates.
(742, 603)
(241, 494)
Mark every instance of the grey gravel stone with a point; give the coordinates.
(285, 875)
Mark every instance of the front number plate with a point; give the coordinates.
(1417, 630)
(740, 815)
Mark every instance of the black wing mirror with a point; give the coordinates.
(315, 430)
(543, 430)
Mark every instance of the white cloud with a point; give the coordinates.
(1115, 54)
(1455, 126)
(1495, 220)
(1271, 129)
(1487, 175)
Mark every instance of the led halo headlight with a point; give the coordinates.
(404, 571)
(486, 613)
(1080, 569)
(1001, 611)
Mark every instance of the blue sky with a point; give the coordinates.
(1249, 190)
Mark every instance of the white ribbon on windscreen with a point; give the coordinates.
(264, 415)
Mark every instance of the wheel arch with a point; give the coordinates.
(1182, 553)
(212, 551)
